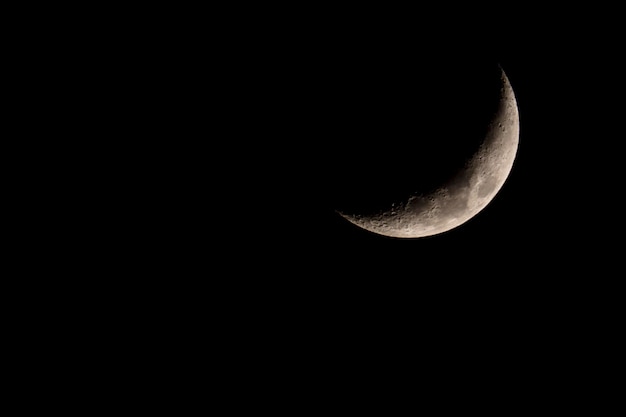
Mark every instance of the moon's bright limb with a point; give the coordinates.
(467, 193)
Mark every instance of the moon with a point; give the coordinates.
(461, 196)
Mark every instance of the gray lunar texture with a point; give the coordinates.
(466, 194)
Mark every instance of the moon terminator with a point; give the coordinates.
(460, 197)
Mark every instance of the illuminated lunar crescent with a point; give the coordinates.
(461, 197)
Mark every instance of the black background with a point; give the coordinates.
(258, 210)
(210, 150)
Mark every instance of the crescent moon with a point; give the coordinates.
(463, 196)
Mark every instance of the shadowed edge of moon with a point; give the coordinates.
(463, 196)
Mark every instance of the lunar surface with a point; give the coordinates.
(463, 195)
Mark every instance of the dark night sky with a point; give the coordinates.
(253, 159)
(222, 150)
(252, 125)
